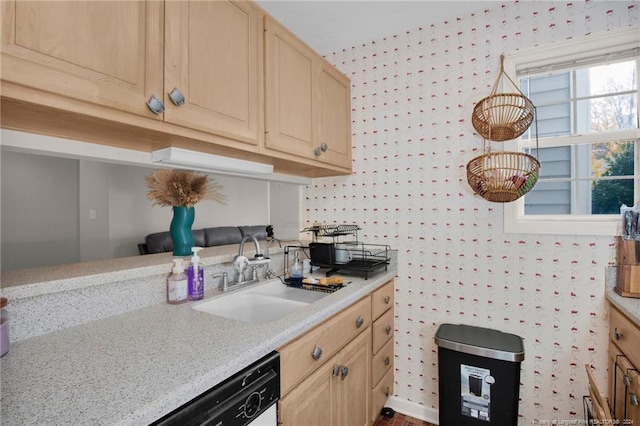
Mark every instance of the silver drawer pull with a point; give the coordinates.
(626, 380)
(155, 105)
(387, 391)
(388, 329)
(387, 361)
(387, 299)
(359, 321)
(633, 399)
(617, 334)
(345, 371)
(317, 352)
(176, 97)
(336, 370)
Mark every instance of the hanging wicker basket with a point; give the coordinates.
(503, 177)
(503, 116)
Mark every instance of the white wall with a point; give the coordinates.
(286, 211)
(47, 200)
(413, 93)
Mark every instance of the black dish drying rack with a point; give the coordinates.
(365, 258)
(333, 231)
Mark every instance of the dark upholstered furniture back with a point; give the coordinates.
(160, 242)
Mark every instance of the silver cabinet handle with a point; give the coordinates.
(387, 361)
(387, 299)
(626, 380)
(336, 370)
(388, 329)
(155, 105)
(344, 371)
(387, 391)
(176, 97)
(322, 148)
(359, 321)
(317, 352)
(617, 334)
(633, 399)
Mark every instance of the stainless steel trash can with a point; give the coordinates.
(478, 376)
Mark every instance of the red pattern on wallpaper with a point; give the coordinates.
(412, 97)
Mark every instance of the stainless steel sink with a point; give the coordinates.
(260, 303)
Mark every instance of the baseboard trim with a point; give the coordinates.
(413, 409)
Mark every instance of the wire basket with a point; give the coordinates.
(503, 177)
(503, 116)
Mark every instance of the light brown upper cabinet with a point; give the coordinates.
(307, 101)
(213, 63)
(202, 61)
(104, 53)
(148, 74)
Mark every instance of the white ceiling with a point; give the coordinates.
(332, 25)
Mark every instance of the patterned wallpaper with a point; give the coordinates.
(412, 97)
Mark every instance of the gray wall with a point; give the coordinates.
(39, 211)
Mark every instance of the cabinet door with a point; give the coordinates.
(104, 53)
(626, 391)
(311, 402)
(213, 56)
(337, 393)
(380, 394)
(633, 396)
(353, 389)
(290, 114)
(616, 385)
(334, 120)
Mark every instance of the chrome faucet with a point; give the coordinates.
(269, 241)
(269, 272)
(255, 242)
(240, 262)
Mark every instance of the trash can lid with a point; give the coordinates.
(479, 341)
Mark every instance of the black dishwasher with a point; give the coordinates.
(237, 401)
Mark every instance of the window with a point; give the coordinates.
(588, 138)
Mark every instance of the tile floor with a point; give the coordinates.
(400, 420)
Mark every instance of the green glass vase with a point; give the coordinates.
(180, 230)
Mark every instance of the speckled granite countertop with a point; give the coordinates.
(627, 305)
(133, 368)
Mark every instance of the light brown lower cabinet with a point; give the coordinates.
(381, 392)
(337, 393)
(624, 365)
(382, 330)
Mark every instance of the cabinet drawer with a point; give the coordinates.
(380, 394)
(382, 362)
(382, 330)
(633, 395)
(624, 392)
(382, 299)
(625, 335)
(325, 340)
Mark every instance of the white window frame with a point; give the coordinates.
(578, 50)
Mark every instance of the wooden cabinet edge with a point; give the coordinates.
(28, 110)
